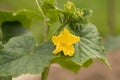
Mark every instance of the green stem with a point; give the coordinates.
(44, 75)
(45, 20)
(46, 70)
(40, 8)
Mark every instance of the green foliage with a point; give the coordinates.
(11, 29)
(49, 7)
(99, 7)
(88, 48)
(24, 16)
(90, 45)
(23, 21)
(22, 55)
(35, 54)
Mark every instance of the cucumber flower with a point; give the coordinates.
(64, 42)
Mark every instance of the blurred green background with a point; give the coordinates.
(105, 14)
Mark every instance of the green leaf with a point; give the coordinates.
(87, 13)
(52, 14)
(11, 29)
(66, 62)
(88, 63)
(90, 45)
(30, 20)
(52, 28)
(50, 3)
(23, 16)
(89, 48)
(22, 55)
(50, 10)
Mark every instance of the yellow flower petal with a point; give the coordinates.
(64, 42)
(58, 49)
(69, 50)
(55, 40)
(68, 37)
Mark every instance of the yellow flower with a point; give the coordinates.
(64, 42)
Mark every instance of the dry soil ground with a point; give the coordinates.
(96, 71)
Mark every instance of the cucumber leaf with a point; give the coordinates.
(22, 55)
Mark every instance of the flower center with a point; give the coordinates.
(62, 43)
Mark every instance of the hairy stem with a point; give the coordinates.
(45, 20)
(44, 75)
(40, 8)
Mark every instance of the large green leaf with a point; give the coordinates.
(22, 55)
(90, 45)
(89, 48)
(30, 20)
(11, 29)
(24, 16)
(27, 21)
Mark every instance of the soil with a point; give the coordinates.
(97, 71)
